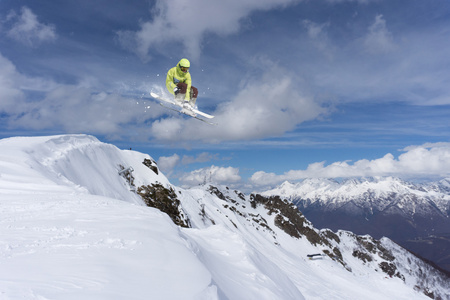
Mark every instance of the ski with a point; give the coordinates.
(191, 112)
(185, 113)
(196, 111)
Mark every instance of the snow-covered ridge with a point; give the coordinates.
(73, 227)
(79, 163)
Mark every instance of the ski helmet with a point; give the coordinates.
(184, 63)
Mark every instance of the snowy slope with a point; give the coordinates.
(71, 227)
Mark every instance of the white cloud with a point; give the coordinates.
(28, 30)
(379, 39)
(78, 109)
(265, 108)
(214, 174)
(188, 21)
(167, 129)
(428, 160)
(10, 94)
(70, 108)
(319, 37)
(168, 163)
(14, 85)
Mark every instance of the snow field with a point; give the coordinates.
(95, 248)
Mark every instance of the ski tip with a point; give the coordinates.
(154, 95)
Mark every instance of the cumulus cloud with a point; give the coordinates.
(78, 109)
(14, 86)
(27, 29)
(214, 174)
(428, 160)
(168, 163)
(38, 104)
(173, 21)
(266, 108)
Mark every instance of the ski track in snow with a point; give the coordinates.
(71, 229)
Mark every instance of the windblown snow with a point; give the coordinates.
(72, 227)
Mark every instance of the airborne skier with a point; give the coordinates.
(179, 83)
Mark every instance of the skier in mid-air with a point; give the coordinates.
(179, 83)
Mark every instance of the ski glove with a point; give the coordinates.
(176, 90)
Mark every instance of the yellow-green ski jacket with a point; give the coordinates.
(174, 76)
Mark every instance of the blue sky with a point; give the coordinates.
(326, 88)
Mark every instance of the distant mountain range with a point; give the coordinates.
(417, 216)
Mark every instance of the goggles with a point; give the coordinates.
(184, 69)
